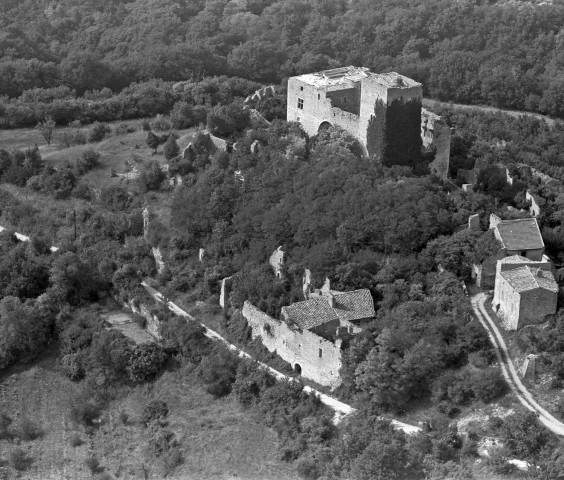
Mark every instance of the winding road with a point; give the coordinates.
(508, 369)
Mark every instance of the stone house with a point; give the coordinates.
(372, 108)
(519, 237)
(525, 291)
(310, 334)
(516, 237)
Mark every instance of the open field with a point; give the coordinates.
(219, 440)
(119, 153)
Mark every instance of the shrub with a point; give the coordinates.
(219, 372)
(88, 160)
(487, 385)
(75, 440)
(154, 410)
(5, 422)
(145, 362)
(171, 148)
(28, 430)
(145, 126)
(98, 132)
(93, 464)
(160, 124)
(122, 129)
(163, 441)
(19, 460)
(84, 410)
(171, 460)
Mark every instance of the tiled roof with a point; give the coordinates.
(521, 234)
(530, 278)
(349, 306)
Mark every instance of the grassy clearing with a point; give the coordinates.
(219, 440)
(117, 152)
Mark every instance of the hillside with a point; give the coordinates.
(504, 54)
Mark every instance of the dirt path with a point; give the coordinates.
(508, 369)
(341, 409)
(428, 103)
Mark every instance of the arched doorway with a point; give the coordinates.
(324, 126)
(298, 368)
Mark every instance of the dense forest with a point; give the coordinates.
(506, 54)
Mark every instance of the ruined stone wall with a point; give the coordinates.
(319, 359)
(535, 305)
(347, 99)
(507, 303)
(317, 108)
(534, 209)
(153, 322)
(436, 136)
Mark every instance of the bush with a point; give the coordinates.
(124, 128)
(88, 160)
(154, 410)
(19, 460)
(98, 132)
(171, 460)
(160, 124)
(170, 148)
(163, 441)
(84, 410)
(219, 372)
(487, 385)
(146, 362)
(5, 422)
(28, 430)
(93, 464)
(75, 440)
(145, 126)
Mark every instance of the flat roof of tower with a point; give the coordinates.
(350, 75)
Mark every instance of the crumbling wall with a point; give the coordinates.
(535, 306)
(536, 202)
(153, 323)
(318, 359)
(436, 135)
(159, 262)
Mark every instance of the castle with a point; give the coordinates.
(382, 111)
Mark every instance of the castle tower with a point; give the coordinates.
(383, 111)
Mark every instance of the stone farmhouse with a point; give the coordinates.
(525, 291)
(311, 333)
(382, 111)
(516, 237)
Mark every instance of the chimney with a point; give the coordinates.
(331, 300)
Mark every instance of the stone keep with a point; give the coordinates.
(382, 111)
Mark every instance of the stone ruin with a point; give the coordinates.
(277, 261)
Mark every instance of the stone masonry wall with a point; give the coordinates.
(436, 135)
(153, 323)
(319, 359)
(507, 303)
(535, 305)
